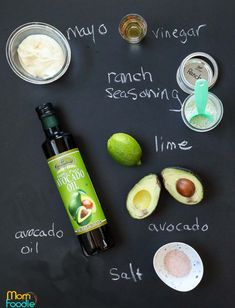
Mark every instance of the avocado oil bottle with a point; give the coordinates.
(74, 184)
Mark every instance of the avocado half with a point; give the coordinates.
(183, 185)
(143, 197)
(84, 215)
(88, 202)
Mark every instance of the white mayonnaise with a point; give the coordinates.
(41, 56)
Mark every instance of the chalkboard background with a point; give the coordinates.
(59, 274)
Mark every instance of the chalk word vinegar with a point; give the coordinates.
(178, 34)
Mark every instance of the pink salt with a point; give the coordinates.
(177, 263)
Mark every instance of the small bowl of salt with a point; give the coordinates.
(179, 266)
(214, 107)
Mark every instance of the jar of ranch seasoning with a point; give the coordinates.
(197, 65)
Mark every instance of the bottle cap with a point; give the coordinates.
(46, 114)
(45, 110)
(197, 65)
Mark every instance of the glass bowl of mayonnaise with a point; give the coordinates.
(38, 53)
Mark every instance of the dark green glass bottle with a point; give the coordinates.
(74, 184)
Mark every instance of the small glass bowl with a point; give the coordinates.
(133, 28)
(19, 34)
(197, 65)
(190, 104)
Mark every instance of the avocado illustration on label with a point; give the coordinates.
(75, 203)
(80, 198)
(83, 215)
(88, 202)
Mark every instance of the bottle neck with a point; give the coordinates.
(51, 125)
(52, 131)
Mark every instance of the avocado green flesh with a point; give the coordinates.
(172, 175)
(143, 197)
(142, 200)
(83, 220)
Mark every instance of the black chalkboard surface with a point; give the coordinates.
(53, 267)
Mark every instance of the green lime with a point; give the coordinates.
(124, 149)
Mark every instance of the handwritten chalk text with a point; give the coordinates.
(162, 145)
(132, 274)
(89, 31)
(179, 34)
(179, 227)
(30, 248)
(36, 233)
(142, 75)
(39, 233)
(152, 94)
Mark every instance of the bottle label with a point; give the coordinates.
(77, 192)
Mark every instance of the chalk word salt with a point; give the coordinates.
(88, 31)
(133, 274)
(179, 227)
(162, 145)
(179, 34)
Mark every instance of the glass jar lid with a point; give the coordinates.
(197, 65)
